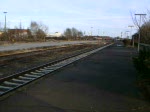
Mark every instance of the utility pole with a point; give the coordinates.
(20, 25)
(126, 34)
(139, 26)
(5, 21)
(91, 31)
(131, 35)
(98, 32)
(121, 35)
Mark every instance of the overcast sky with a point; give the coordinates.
(108, 17)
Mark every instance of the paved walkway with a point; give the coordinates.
(102, 82)
(17, 46)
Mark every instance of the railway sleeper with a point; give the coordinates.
(1, 92)
(19, 81)
(38, 71)
(47, 70)
(34, 76)
(26, 78)
(11, 83)
(5, 87)
(51, 68)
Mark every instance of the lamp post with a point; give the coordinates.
(91, 31)
(139, 26)
(98, 31)
(5, 21)
(126, 33)
(131, 34)
(121, 34)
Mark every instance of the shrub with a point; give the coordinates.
(127, 42)
(142, 64)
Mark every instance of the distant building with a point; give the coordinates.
(103, 37)
(1, 32)
(56, 34)
(18, 32)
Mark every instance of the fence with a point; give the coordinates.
(145, 47)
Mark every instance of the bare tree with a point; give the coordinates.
(145, 32)
(68, 33)
(143, 25)
(0, 26)
(80, 33)
(38, 30)
(72, 33)
(43, 30)
(34, 28)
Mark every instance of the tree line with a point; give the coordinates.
(73, 33)
(36, 32)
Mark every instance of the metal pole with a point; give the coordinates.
(131, 35)
(98, 32)
(121, 34)
(139, 26)
(126, 34)
(5, 22)
(91, 31)
(139, 35)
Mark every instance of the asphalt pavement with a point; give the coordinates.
(102, 82)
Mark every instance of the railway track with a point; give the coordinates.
(5, 60)
(9, 67)
(15, 81)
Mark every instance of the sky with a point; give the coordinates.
(101, 17)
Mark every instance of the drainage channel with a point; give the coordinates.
(23, 79)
